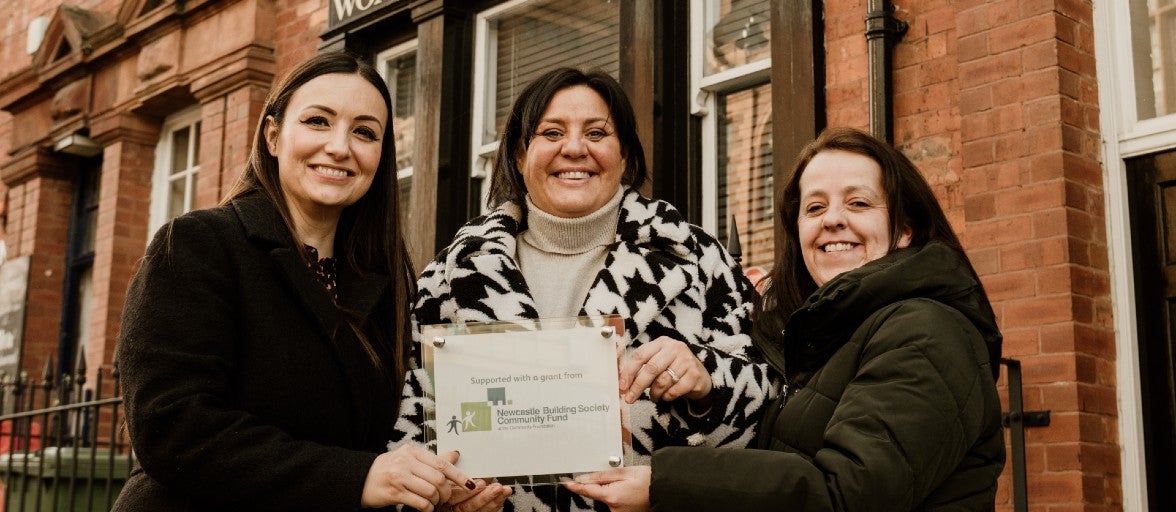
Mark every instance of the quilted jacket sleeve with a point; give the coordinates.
(176, 355)
(913, 409)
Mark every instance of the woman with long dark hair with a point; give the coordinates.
(889, 349)
(264, 341)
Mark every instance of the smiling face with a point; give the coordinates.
(328, 144)
(844, 220)
(573, 164)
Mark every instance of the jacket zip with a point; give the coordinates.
(774, 356)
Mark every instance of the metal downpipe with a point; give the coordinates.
(883, 32)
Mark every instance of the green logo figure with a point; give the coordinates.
(475, 417)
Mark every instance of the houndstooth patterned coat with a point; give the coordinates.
(664, 276)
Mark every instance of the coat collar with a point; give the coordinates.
(651, 262)
(265, 227)
(834, 311)
(358, 294)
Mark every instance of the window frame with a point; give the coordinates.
(395, 52)
(481, 108)
(161, 174)
(1135, 136)
(1124, 136)
(706, 90)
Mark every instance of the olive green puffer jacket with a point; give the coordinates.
(891, 404)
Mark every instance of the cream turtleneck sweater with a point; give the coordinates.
(560, 257)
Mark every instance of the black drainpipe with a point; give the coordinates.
(883, 31)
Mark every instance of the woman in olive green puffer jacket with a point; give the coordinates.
(888, 347)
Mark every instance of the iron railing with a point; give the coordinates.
(1016, 419)
(62, 444)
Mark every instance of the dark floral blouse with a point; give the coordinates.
(325, 270)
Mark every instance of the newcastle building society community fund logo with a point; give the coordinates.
(497, 410)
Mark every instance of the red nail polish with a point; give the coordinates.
(470, 485)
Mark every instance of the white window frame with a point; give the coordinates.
(382, 59)
(161, 177)
(1133, 136)
(706, 91)
(482, 108)
(1124, 136)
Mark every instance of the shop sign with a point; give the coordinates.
(343, 12)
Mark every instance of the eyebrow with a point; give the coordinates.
(852, 189)
(363, 117)
(860, 188)
(556, 120)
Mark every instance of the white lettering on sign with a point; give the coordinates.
(344, 8)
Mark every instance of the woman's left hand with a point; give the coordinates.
(486, 497)
(668, 368)
(622, 489)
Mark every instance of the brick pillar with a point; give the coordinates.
(39, 196)
(123, 209)
(296, 32)
(1035, 230)
(210, 184)
(226, 137)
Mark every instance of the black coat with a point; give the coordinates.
(892, 404)
(243, 387)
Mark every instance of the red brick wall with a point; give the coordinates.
(1036, 154)
(13, 57)
(996, 101)
(231, 106)
(123, 205)
(38, 220)
(34, 217)
(226, 137)
(299, 23)
(17, 14)
(210, 184)
(927, 101)
(847, 66)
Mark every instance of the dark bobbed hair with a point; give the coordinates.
(911, 204)
(506, 182)
(369, 231)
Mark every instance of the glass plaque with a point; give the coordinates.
(530, 398)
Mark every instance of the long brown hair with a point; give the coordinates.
(369, 229)
(910, 201)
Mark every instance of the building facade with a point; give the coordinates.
(1046, 127)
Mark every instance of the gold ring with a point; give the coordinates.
(673, 376)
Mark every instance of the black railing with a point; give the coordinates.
(62, 445)
(1016, 419)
